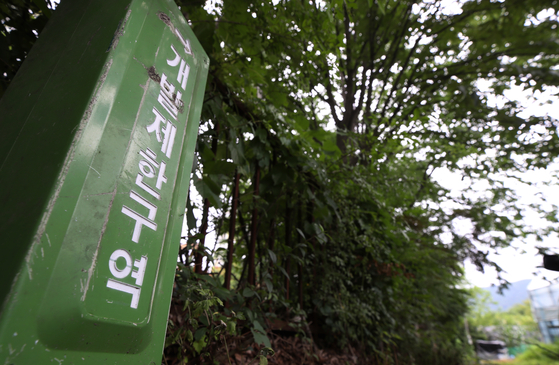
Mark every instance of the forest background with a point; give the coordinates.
(322, 126)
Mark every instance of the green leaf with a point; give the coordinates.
(200, 344)
(382, 6)
(231, 327)
(283, 271)
(42, 4)
(208, 189)
(237, 153)
(259, 334)
(189, 336)
(201, 332)
(219, 167)
(190, 219)
(248, 293)
(273, 256)
(269, 285)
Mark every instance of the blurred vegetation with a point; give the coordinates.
(539, 354)
(515, 326)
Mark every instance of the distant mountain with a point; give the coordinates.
(516, 293)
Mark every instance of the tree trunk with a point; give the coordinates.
(231, 238)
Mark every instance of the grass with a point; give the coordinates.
(538, 354)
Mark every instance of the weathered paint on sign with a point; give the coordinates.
(96, 281)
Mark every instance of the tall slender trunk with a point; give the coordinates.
(287, 244)
(271, 242)
(254, 230)
(231, 238)
(198, 256)
(300, 267)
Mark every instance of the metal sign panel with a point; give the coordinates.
(96, 280)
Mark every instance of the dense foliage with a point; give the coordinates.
(20, 23)
(540, 354)
(515, 326)
(322, 125)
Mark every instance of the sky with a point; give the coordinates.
(522, 260)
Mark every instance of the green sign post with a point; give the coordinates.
(97, 135)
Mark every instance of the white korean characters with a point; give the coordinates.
(118, 273)
(151, 176)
